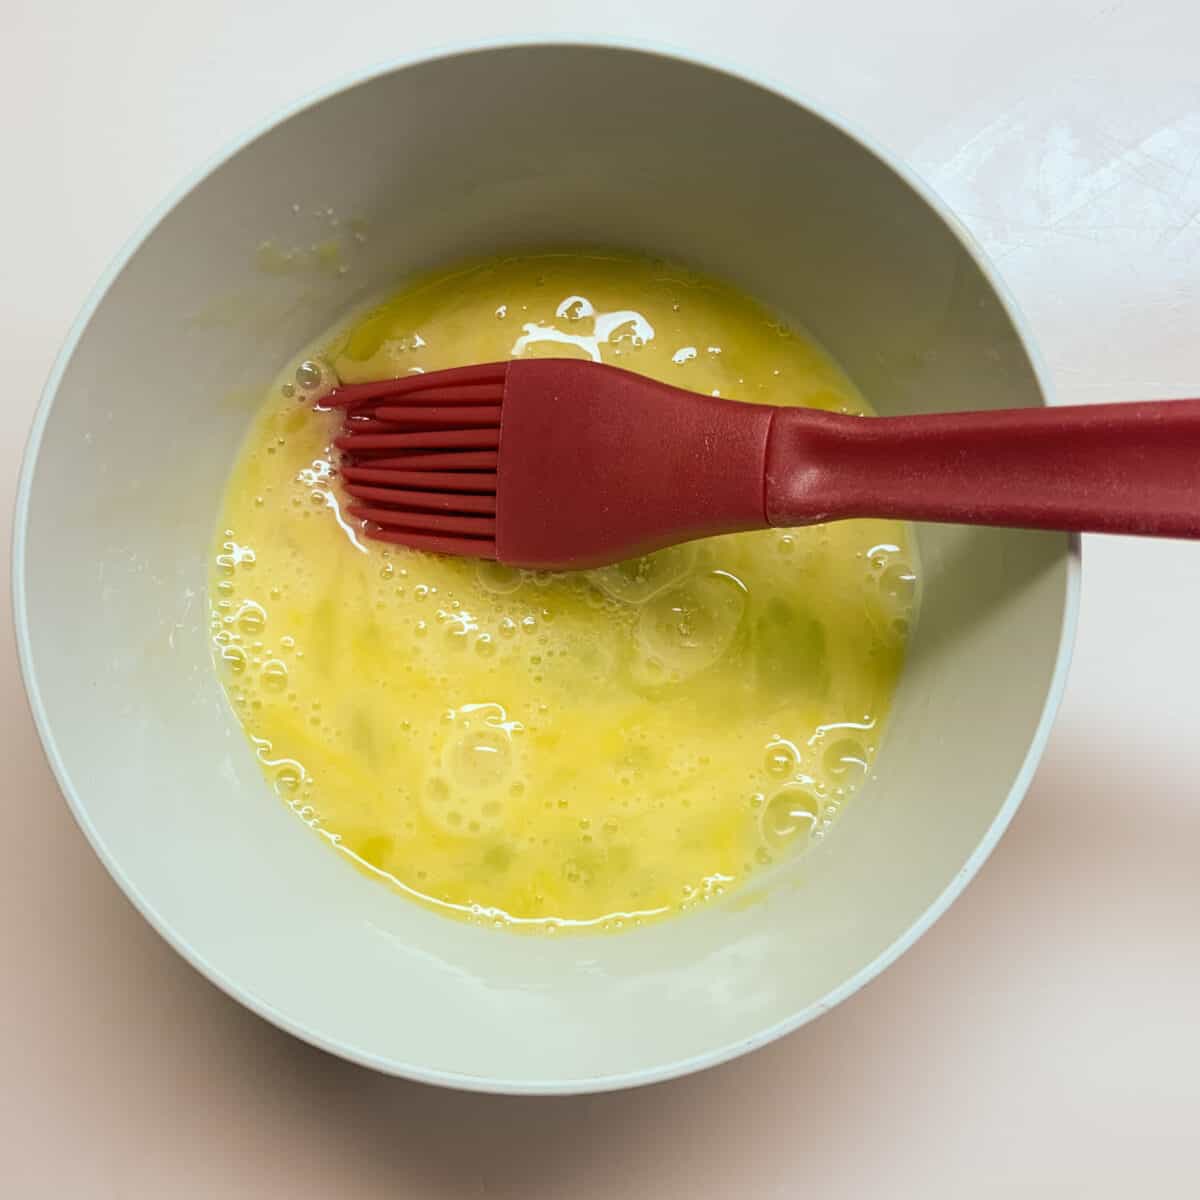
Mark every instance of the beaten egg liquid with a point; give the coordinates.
(550, 750)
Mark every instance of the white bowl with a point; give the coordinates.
(528, 145)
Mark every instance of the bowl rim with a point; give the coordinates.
(28, 668)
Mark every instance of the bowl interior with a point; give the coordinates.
(530, 146)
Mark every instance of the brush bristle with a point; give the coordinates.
(419, 457)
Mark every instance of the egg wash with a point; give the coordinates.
(555, 750)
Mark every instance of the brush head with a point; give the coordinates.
(419, 457)
(552, 463)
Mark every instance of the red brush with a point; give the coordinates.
(562, 463)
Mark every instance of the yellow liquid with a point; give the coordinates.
(535, 749)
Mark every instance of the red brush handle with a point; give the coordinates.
(1105, 468)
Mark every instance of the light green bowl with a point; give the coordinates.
(471, 153)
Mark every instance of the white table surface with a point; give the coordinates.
(1044, 1037)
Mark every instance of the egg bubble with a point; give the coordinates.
(846, 761)
(781, 759)
(640, 579)
(250, 618)
(496, 578)
(480, 758)
(274, 675)
(315, 378)
(790, 815)
(687, 628)
(287, 778)
(234, 658)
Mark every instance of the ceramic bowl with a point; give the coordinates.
(476, 152)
